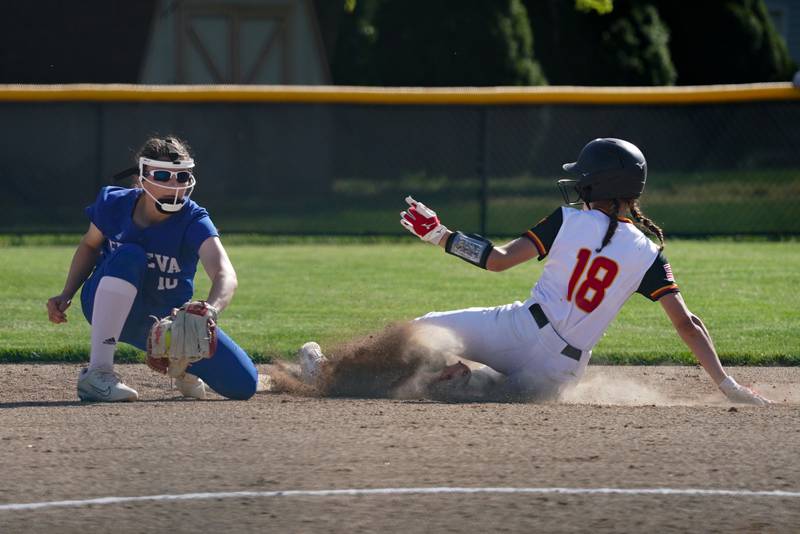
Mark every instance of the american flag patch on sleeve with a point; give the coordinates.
(668, 272)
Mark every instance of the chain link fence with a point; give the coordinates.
(342, 168)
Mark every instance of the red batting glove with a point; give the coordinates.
(422, 221)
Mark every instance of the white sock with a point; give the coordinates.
(112, 304)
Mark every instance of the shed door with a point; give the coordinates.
(233, 44)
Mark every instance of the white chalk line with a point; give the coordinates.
(689, 492)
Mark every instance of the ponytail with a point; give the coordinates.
(651, 227)
(613, 222)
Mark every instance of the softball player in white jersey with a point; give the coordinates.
(596, 260)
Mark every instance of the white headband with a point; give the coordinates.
(177, 164)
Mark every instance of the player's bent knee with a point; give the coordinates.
(243, 390)
(237, 382)
(128, 262)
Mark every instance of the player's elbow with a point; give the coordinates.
(89, 245)
(498, 262)
(697, 321)
(225, 281)
(689, 325)
(234, 280)
(231, 281)
(495, 267)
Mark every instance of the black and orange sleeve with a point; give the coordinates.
(658, 280)
(544, 233)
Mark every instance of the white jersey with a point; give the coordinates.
(581, 290)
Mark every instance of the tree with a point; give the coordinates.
(625, 46)
(354, 43)
(725, 41)
(455, 43)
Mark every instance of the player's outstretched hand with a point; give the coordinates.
(740, 394)
(57, 307)
(422, 221)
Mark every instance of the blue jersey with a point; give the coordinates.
(171, 245)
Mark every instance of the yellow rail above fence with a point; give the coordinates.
(399, 95)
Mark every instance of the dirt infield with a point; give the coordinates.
(626, 428)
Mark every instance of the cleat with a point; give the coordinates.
(455, 375)
(265, 383)
(101, 385)
(191, 386)
(311, 360)
(452, 383)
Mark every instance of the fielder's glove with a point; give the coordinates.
(422, 221)
(740, 394)
(186, 336)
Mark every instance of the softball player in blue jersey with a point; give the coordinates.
(137, 260)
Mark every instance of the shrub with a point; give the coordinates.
(455, 43)
(731, 41)
(627, 46)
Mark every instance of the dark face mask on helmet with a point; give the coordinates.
(568, 187)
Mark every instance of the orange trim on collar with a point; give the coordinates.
(620, 219)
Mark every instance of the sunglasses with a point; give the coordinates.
(164, 176)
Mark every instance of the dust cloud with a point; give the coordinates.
(401, 362)
(607, 389)
(404, 361)
(398, 362)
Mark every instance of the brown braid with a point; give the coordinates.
(639, 217)
(613, 222)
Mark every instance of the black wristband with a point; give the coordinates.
(472, 248)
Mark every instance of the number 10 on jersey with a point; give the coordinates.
(599, 277)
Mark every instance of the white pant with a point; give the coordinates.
(507, 339)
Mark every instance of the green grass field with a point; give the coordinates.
(693, 204)
(333, 290)
(689, 204)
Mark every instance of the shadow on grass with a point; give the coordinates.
(79, 356)
(58, 404)
(38, 404)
